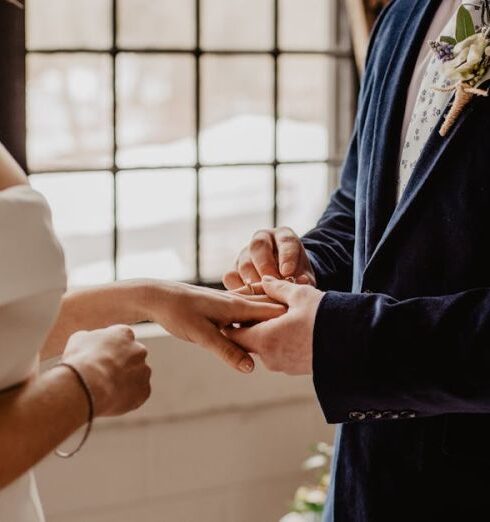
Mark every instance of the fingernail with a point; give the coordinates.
(287, 268)
(303, 279)
(268, 278)
(246, 366)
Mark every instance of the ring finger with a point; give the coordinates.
(247, 270)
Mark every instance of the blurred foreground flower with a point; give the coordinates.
(309, 501)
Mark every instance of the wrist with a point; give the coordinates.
(96, 380)
(143, 296)
(155, 296)
(78, 405)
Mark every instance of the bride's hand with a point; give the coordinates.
(199, 315)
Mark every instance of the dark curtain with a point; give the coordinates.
(13, 81)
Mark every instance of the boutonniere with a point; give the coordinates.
(465, 59)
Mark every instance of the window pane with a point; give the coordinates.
(156, 219)
(156, 23)
(69, 111)
(155, 110)
(303, 94)
(82, 208)
(303, 24)
(345, 72)
(64, 24)
(237, 111)
(237, 24)
(235, 203)
(302, 195)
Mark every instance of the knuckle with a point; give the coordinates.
(229, 354)
(266, 232)
(123, 330)
(246, 265)
(259, 243)
(128, 332)
(235, 301)
(140, 350)
(288, 240)
(286, 232)
(243, 254)
(301, 292)
(230, 276)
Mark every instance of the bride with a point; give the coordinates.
(103, 370)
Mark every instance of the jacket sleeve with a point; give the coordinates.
(330, 245)
(379, 358)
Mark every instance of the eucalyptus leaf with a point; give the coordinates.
(464, 24)
(449, 40)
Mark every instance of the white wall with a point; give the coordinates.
(210, 446)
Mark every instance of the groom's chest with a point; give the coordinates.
(448, 203)
(464, 155)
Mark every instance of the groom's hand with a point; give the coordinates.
(276, 252)
(200, 315)
(284, 344)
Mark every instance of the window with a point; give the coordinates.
(165, 133)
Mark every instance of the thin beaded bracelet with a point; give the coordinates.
(90, 400)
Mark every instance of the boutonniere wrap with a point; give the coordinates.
(465, 59)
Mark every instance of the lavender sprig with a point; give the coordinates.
(443, 50)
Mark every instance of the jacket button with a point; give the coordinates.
(388, 414)
(407, 414)
(357, 415)
(373, 414)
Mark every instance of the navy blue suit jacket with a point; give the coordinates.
(402, 335)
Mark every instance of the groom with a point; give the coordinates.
(396, 320)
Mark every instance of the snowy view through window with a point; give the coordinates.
(145, 190)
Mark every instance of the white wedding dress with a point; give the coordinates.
(32, 282)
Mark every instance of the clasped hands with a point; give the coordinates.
(275, 323)
(284, 343)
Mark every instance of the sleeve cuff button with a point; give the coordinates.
(357, 415)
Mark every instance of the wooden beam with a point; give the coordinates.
(362, 15)
(13, 81)
(360, 29)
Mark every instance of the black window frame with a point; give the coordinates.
(16, 140)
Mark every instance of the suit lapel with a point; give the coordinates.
(416, 17)
(431, 154)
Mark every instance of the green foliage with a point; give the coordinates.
(448, 39)
(464, 24)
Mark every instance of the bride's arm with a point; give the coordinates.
(53, 402)
(36, 416)
(10, 172)
(191, 313)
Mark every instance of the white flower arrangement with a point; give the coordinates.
(469, 62)
(309, 501)
(465, 61)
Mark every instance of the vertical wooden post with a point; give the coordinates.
(359, 27)
(13, 81)
(362, 15)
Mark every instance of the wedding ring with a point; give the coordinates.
(250, 287)
(291, 279)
